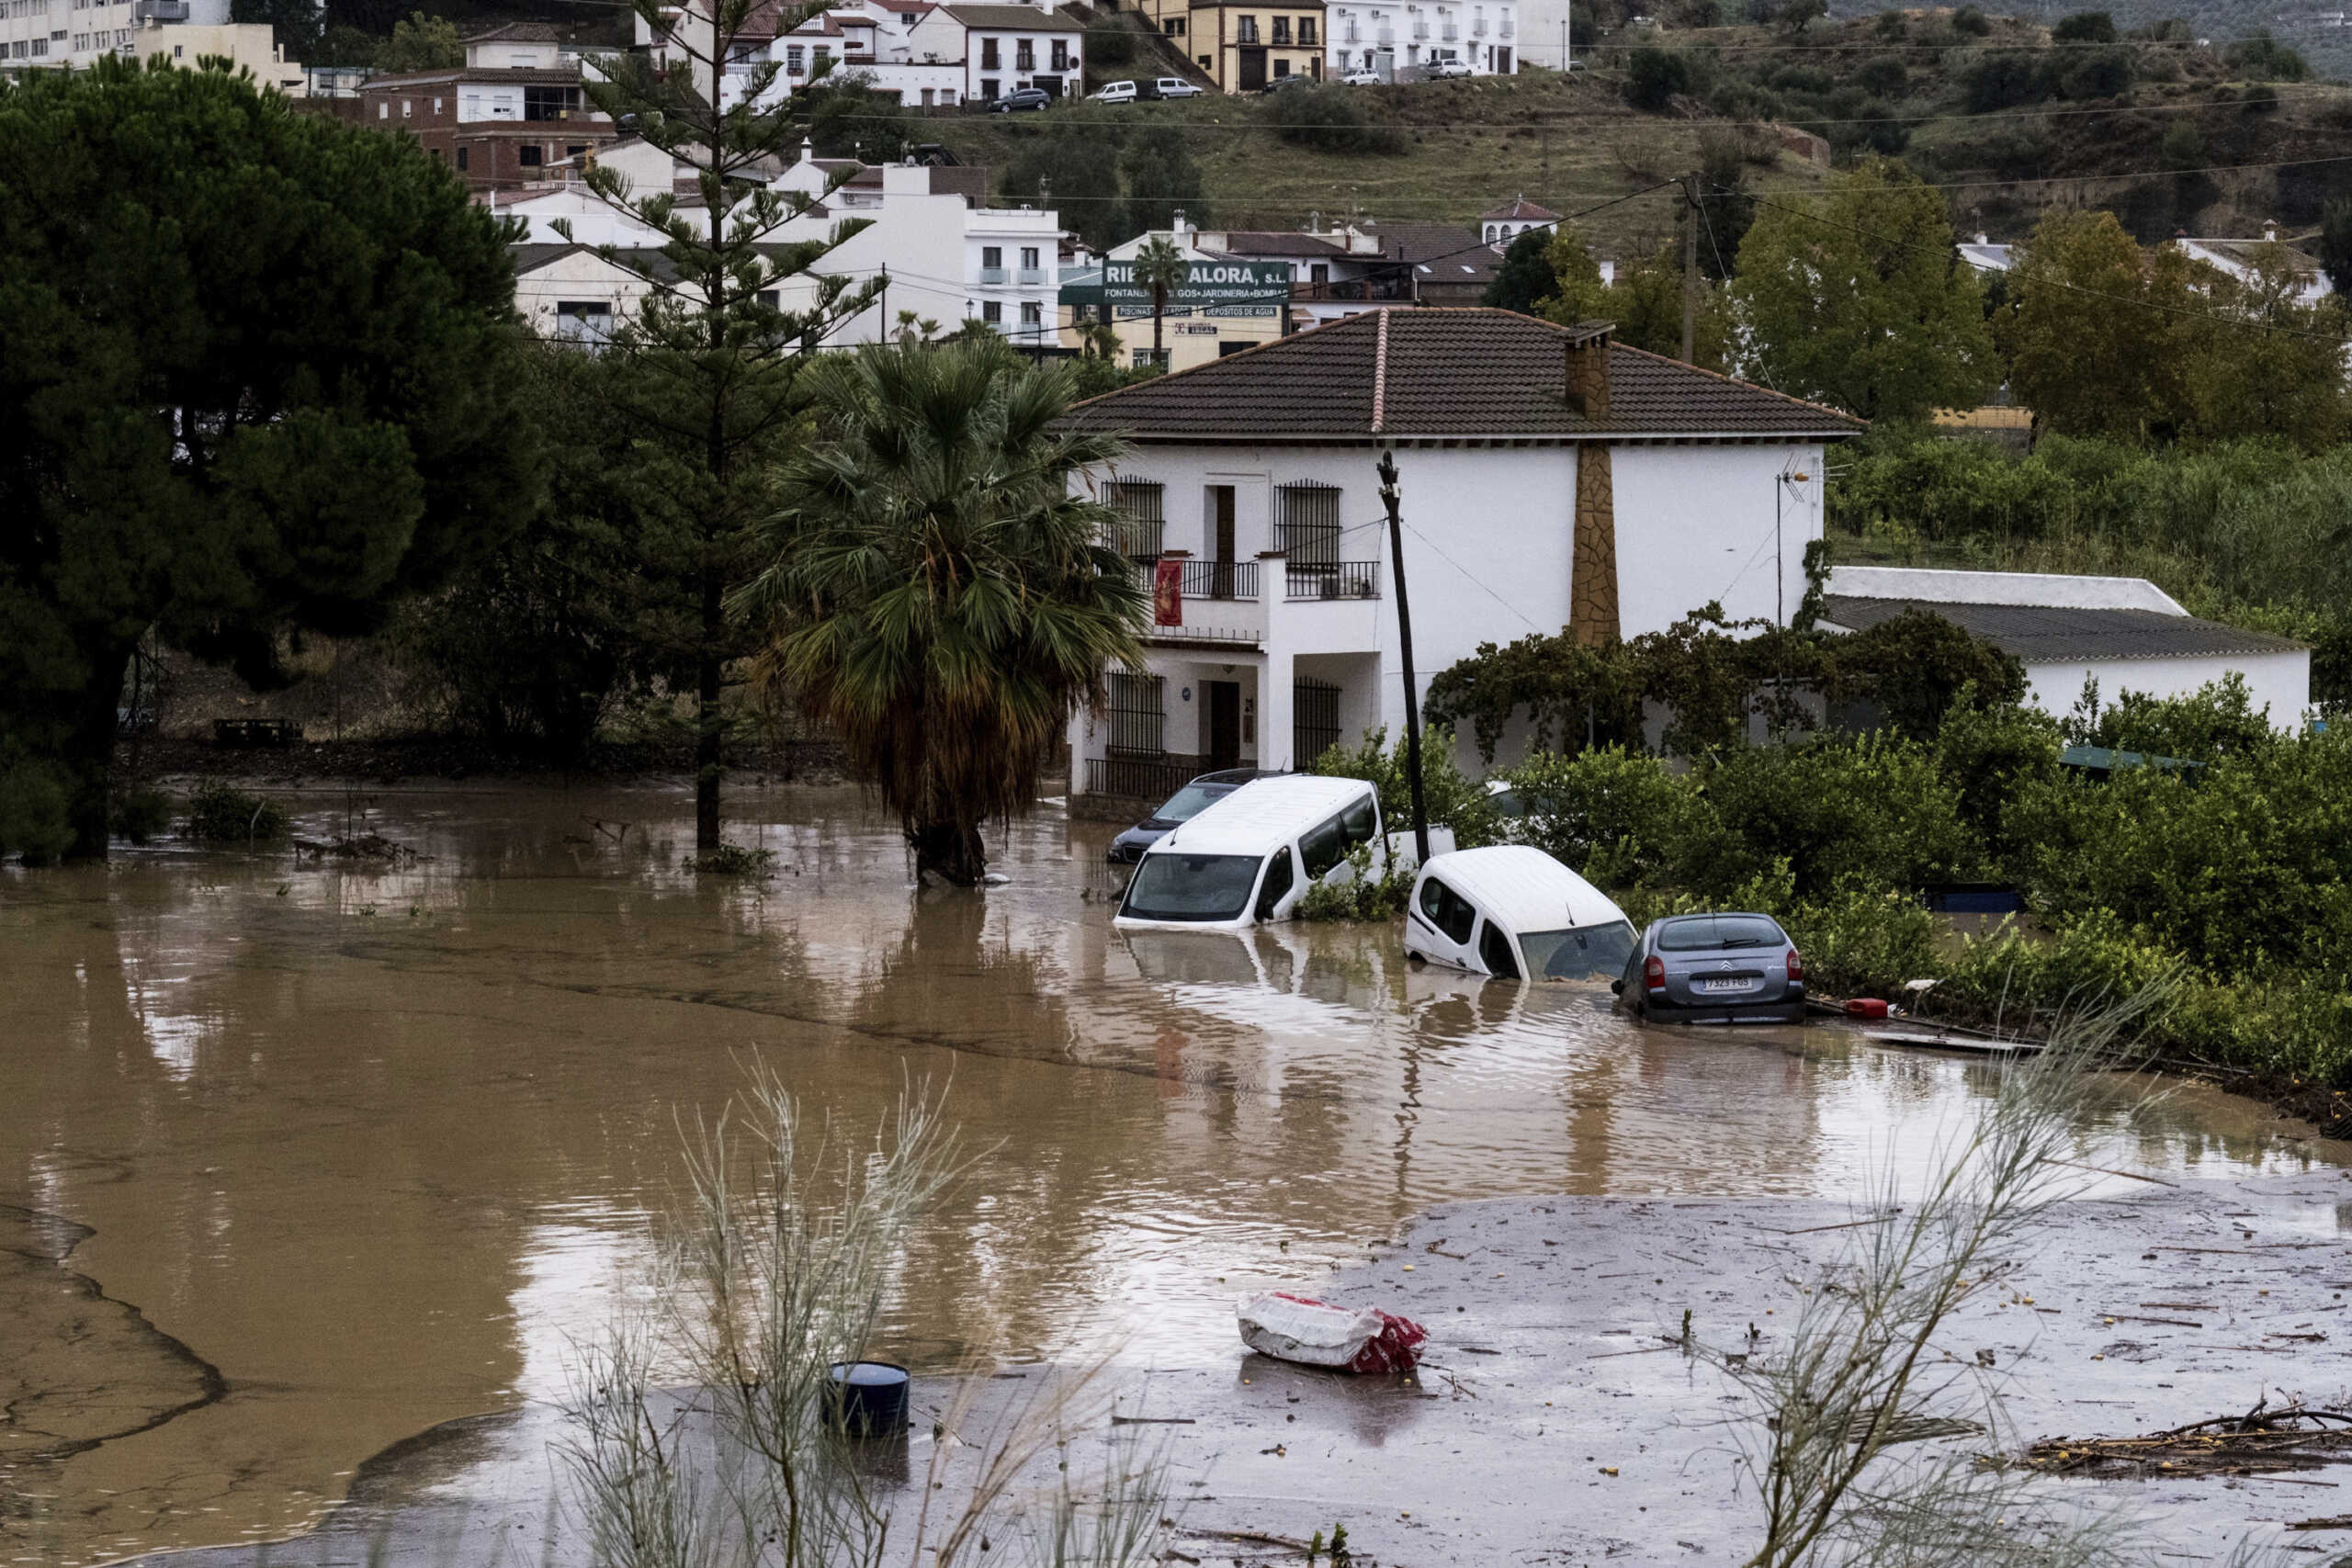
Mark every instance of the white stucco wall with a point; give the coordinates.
(1697, 523)
(2280, 682)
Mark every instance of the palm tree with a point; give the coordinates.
(1160, 266)
(934, 592)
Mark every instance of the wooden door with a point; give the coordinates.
(1221, 547)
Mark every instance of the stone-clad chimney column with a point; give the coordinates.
(1592, 585)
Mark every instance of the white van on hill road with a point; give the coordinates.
(1253, 856)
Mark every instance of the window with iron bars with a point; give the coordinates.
(1138, 714)
(1143, 522)
(1315, 720)
(1306, 525)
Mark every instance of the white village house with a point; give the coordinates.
(2123, 632)
(1549, 476)
(949, 256)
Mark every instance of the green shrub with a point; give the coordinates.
(1329, 119)
(1449, 797)
(1615, 817)
(1109, 42)
(733, 860)
(33, 817)
(2084, 27)
(1970, 20)
(1362, 897)
(222, 814)
(1653, 76)
(1870, 814)
(2263, 59)
(142, 815)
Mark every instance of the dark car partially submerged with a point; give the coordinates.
(1181, 806)
(1718, 968)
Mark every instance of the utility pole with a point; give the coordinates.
(886, 333)
(1689, 266)
(1405, 646)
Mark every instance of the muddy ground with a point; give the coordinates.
(1553, 1422)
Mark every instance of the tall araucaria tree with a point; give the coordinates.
(256, 376)
(934, 591)
(736, 309)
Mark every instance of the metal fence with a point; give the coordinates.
(1145, 778)
(1220, 580)
(1332, 579)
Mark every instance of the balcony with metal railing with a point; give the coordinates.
(1505, 28)
(1478, 28)
(1220, 600)
(1388, 37)
(1033, 277)
(1331, 579)
(1350, 290)
(992, 274)
(1420, 32)
(1449, 33)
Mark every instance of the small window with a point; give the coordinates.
(992, 256)
(531, 155)
(1494, 951)
(1032, 314)
(408, 108)
(1447, 911)
(1360, 822)
(1323, 846)
(992, 311)
(1028, 258)
(461, 157)
(796, 60)
(1280, 878)
(384, 110)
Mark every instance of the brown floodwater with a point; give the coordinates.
(297, 1160)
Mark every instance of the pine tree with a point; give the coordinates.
(735, 309)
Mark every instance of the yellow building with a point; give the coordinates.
(1244, 44)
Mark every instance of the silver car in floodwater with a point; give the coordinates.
(1719, 969)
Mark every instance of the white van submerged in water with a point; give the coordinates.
(1253, 856)
(1513, 911)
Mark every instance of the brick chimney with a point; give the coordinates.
(1592, 585)
(1587, 370)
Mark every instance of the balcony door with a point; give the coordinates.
(1222, 559)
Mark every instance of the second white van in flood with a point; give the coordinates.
(1253, 856)
(1513, 911)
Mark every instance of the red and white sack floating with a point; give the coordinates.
(1316, 1333)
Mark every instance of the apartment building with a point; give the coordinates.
(1387, 36)
(947, 256)
(35, 33)
(504, 117)
(1242, 45)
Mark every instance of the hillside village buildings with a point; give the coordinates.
(36, 33)
(509, 114)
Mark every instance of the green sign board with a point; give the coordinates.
(1213, 288)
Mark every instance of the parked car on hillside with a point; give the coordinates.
(1025, 99)
(1181, 806)
(1114, 93)
(1361, 79)
(1174, 87)
(1720, 968)
(1515, 913)
(1275, 84)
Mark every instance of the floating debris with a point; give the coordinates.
(2259, 1442)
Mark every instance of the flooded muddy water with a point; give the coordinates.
(297, 1161)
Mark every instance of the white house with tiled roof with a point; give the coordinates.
(1501, 225)
(1549, 478)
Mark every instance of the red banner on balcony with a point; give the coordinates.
(1168, 593)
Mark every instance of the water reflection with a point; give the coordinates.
(377, 1140)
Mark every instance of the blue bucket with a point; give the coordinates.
(868, 1399)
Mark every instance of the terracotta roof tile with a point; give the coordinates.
(1520, 211)
(1448, 372)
